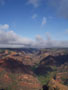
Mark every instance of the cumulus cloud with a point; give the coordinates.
(39, 38)
(44, 20)
(4, 27)
(48, 42)
(34, 16)
(9, 39)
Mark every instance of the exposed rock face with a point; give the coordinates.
(28, 81)
(54, 85)
(18, 69)
(14, 75)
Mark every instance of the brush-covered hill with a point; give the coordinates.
(14, 75)
(54, 85)
(31, 69)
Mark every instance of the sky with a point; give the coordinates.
(33, 23)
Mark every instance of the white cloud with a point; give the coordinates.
(35, 3)
(34, 16)
(13, 40)
(48, 42)
(3, 27)
(39, 38)
(44, 20)
(10, 38)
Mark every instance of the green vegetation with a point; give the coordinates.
(2, 51)
(35, 67)
(10, 84)
(44, 79)
(64, 81)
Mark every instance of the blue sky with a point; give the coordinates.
(43, 19)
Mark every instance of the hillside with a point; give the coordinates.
(29, 69)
